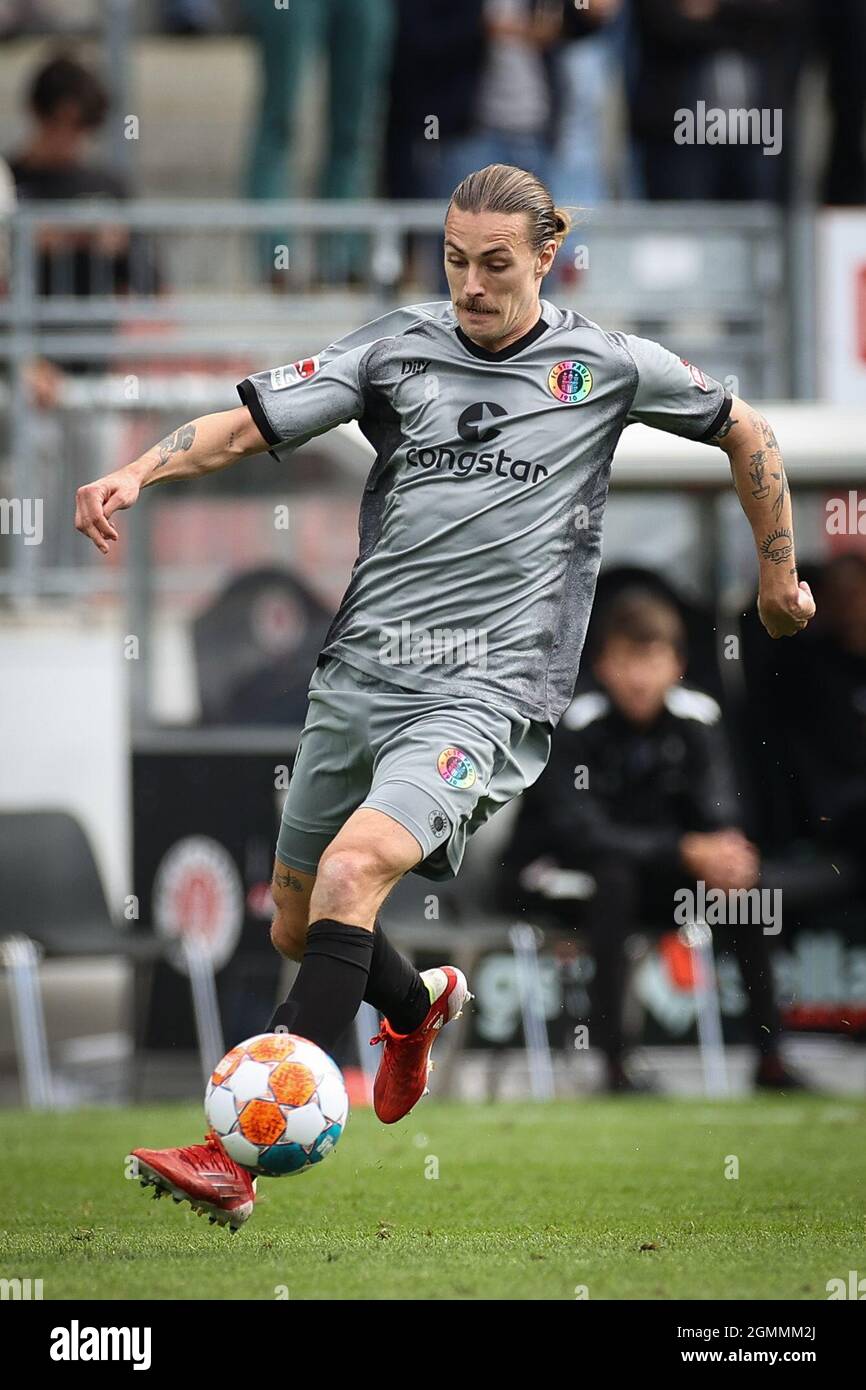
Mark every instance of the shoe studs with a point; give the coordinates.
(467, 1000)
(213, 1220)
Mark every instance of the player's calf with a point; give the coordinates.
(291, 890)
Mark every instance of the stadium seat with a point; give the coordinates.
(53, 904)
(255, 646)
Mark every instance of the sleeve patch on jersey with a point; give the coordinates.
(692, 704)
(696, 375)
(281, 377)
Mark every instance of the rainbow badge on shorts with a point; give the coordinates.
(456, 768)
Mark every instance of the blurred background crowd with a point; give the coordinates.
(582, 93)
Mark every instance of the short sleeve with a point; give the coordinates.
(294, 403)
(674, 395)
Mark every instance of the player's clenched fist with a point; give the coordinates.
(787, 612)
(96, 502)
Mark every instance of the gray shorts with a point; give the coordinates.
(438, 766)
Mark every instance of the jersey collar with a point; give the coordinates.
(504, 353)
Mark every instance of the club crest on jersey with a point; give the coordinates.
(696, 375)
(570, 381)
(456, 768)
(281, 377)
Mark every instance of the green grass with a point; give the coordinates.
(530, 1202)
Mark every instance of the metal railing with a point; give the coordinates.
(717, 269)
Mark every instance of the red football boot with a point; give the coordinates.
(401, 1080)
(203, 1175)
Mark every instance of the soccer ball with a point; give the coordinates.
(277, 1104)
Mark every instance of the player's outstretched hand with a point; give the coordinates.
(95, 503)
(787, 611)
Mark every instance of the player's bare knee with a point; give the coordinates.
(349, 875)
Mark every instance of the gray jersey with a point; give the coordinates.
(481, 519)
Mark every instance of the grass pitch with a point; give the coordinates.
(623, 1198)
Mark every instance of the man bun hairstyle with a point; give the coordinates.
(505, 188)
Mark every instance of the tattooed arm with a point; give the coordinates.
(202, 446)
(785, 603)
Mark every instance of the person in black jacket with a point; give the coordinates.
(820, 716)
(840, 31)
(728, 55)
(472, 84)
(638, 794)
(439, 49)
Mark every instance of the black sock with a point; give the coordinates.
(395, 987)
(330, 983)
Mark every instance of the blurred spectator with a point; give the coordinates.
(43, 378)
(426, 113)
(840, 33)
(356, 40)
(820, 703)
(728, 55)
(68, 103)
(803, 734)
(513, 96)
(18, 17)
(191, 17)
(472, 85)
(585, 64)
(655, 813)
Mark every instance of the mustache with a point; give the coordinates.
(474, 308)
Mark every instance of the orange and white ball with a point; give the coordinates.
(277, 1103)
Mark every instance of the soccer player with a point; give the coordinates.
(495, 417)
